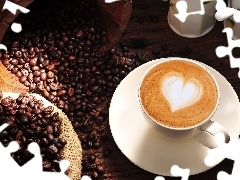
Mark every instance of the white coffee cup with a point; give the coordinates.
(204, 131)
(200, 19)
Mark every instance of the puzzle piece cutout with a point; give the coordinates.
(222, 51)
(224, 12)
(159, 178)
(177, 171)
(32, 169)
(16, 27)
(110, 1)
(86, 178)
(3, 47)
(12, 7)
(182, 10)
(230, 151)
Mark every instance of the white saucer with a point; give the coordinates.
(145, 148)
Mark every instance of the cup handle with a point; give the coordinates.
(208, 132)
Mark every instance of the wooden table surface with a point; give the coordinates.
(147, 36)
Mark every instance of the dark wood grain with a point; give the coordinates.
(146, 36)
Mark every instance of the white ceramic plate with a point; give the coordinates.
(145, 148)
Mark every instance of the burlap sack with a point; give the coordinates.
(72, 150)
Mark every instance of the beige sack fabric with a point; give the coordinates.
(72, 150)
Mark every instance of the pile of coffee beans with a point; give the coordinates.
(59, 55)
(30, 122)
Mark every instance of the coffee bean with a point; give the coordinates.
(94, 175)
(100, 169)
(33, 62)
(18, 54)
(14, 62)
(92, 157)
(46, 165)
(24, 119)
(155, 52)
(61, 92)
(155, 19)
(62, 141)
(183, 52)
(50, 138)
(5, 62)
(70, 92)
(173, 53)
(107, 152)
(95, 88)
(164, 47)
(50, 74)
(65, 39)
(36, 79)
(71, 58)
(49, 129)
(143, 6)
(188, 49)
(53, 149)
(96, 145)
(140, 20)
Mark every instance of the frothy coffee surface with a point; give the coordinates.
(178, 94)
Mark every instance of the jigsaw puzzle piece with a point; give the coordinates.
(54, 175)
(222, 51)
(224, 176)
(229, 151)
(12, 7)
(159, 178)
(16, 27)
(236, 16)
(182, 7)
(36, 162)
(64, 165)
(220, 5)
(177, 171)
(213, 154)
(7, 161)
(13, 147)
(111, 1)
(3, 47)
(224, 13)
(3, 126)
(85, 178)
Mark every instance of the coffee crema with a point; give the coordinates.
(178, 94)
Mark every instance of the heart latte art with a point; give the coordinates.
(178, 93)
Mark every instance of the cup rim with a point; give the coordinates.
(181, 59)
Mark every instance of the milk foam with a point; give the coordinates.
(180, 94)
